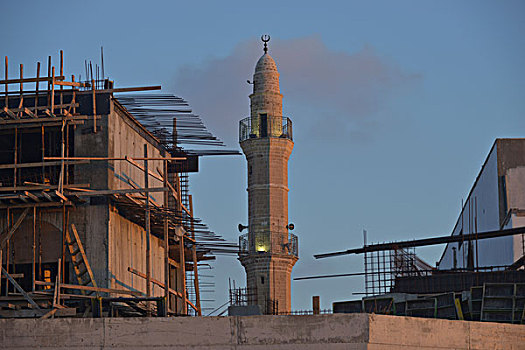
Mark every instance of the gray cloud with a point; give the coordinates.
(334, 88)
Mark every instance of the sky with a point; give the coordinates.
(395, 105)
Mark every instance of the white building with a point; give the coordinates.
(496, 201)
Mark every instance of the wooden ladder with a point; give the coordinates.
(79, 259)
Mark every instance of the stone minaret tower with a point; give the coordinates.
(268, 251)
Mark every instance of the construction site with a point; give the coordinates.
(99, 240)
(96, 213)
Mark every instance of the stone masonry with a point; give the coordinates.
(268, 260)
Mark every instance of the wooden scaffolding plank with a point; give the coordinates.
(11, 231)
(22, 291)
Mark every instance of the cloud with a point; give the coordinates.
(334, 88)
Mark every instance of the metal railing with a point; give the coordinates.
(263, 242)
(264, 126)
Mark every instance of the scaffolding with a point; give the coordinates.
(39, 173)
(383, 268)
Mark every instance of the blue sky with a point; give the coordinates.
(395, 105)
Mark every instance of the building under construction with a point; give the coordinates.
(480, 275)
(95, 211)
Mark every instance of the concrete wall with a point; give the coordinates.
(127, 248)
(126, 139)
(355, 331)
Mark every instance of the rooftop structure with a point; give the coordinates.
(480, 275)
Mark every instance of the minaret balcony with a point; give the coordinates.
(263, 126)
(264, 242)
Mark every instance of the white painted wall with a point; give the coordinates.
(481, 212)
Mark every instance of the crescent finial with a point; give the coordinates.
(265, 38)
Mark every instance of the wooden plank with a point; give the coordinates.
(13, 228)
(47, 196)
(115, 158)
(32, 196)
(173, 263)
(131, 190)
(61, 195)
(93, 87)
(53, 91)
(56, 293)
(166, 241)
(148, 231)
(49, 314)
(15, 275)
(71, 83)
(94, 289)
(194, 258)
(23, 292)
(10, 113)
(29, 113)
(131, 89)
(151, 173)
(36, 186)
(36, 125)
(43, 120)
(6, 103)
(102, 91)
(154, 281)
(30, 80)
(21, 105)
(39, 164)
(38, 205)
(43, 108)
(37, 85)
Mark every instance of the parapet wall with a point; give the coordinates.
(350, 331)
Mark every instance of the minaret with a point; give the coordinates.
(268, 251)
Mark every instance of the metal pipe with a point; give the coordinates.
(425, 242)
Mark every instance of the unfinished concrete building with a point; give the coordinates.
(94, 202)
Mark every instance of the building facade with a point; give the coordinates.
(94, 198)
(496, 201)
(268, 251)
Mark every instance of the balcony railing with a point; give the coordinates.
(263, 126)
(263, 243)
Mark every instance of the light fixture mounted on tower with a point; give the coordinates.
(265, 38)
(241, 227)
